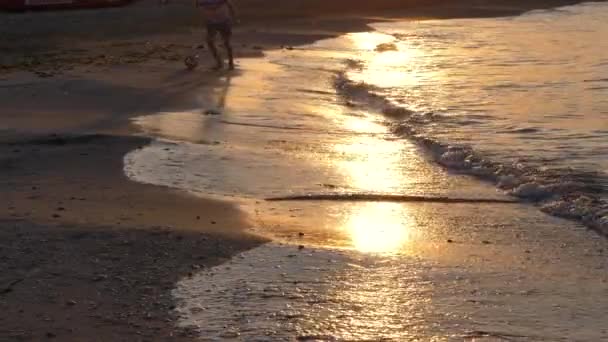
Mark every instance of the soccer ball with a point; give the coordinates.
(191, 62)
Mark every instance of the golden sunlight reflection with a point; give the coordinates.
(369, 40)
(372, 165)
(174, 125)
(379, 227)
(395, 66)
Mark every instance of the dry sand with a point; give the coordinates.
(86, 254)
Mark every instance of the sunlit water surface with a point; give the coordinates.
(350, 115)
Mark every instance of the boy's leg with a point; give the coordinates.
(211, 33)
(226, 34)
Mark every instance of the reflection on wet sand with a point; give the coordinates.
(372, 164)
(258, 159)
(379, 227)
(191, 125)
(366, 270)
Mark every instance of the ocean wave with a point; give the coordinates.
(568, 193)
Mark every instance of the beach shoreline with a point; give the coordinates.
(87, 253)
(51, 43)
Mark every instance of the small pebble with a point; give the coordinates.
(100, 277)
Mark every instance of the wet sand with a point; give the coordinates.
(463, 271)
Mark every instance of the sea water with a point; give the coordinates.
(496, 108)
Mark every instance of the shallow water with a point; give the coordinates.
(523, 98)
(500, 278)
(531, 89)
(280, 293)
(300, 122)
